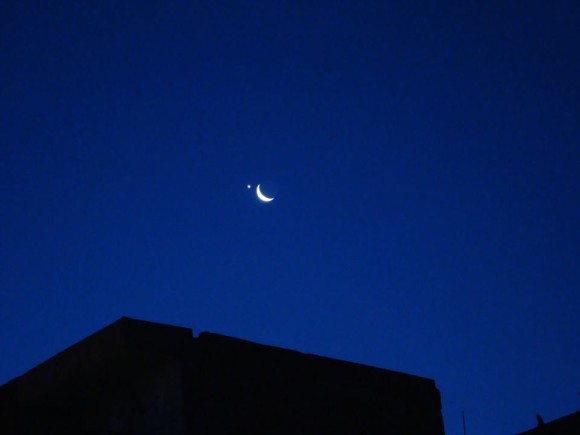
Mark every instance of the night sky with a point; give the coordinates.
(424, 157)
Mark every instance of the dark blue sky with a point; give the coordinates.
(425, 156)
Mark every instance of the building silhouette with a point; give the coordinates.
(567, 425)
(137, 377)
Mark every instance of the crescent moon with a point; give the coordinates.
(262, 196)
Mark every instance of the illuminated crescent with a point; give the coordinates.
(262, 196)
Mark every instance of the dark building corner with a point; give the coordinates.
(567, 425)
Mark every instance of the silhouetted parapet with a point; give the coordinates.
(125, 344)
(291, 392)
(142, 377)
(567, 425)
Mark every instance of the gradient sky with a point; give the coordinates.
(426, 163)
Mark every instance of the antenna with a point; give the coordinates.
(463, 417)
